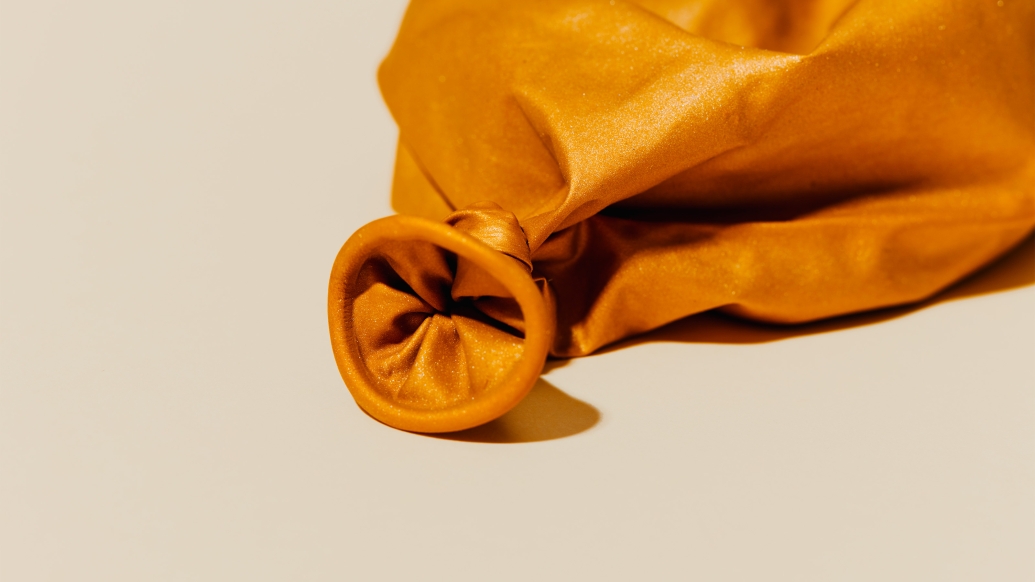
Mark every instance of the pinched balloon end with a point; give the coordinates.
(438, 327)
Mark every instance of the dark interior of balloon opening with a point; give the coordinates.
(483, 341)
(377, 269)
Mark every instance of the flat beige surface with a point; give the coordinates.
(176, 179)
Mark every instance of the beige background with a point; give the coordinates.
(176, 179)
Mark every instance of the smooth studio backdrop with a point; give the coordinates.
(176, 179)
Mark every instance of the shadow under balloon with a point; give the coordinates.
(545, 414)
(1014, 270)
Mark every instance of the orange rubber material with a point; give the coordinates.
(539, 326)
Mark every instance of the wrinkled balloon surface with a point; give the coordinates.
(596, 169)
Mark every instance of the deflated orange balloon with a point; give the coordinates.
(573, 172)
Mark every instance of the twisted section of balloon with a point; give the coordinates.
(439, 327)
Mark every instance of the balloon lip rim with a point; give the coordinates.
(360, 381)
